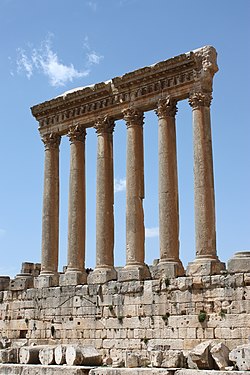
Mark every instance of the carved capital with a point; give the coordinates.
(200, 99)
(51, 141)
(104, 125)
(76, 133)
(133, 117)
(166, 108)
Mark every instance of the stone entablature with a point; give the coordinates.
(177, 77)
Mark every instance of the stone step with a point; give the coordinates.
(18, 369)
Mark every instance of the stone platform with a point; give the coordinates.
(17, 369)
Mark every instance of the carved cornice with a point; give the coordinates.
(166, 108)
(76, 133)
(200, 99)
(133, 117)
(104, 125)
(141, 88)
(51, 141)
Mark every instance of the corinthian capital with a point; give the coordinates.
(51, 141)
(133, 117)
(76, 133)
(104, 125)
(200, 99)
(166, 107)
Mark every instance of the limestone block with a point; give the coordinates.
(201, 356)
(204, 267)
(21, 283)
(220, 354)
(47, 355)
(241, 357)
(173, 358)
(29, 354)
(46, 281)
(101, 276)
(156, 358)
(133, 273)
(9, 355)
(239, 263)
(4, 282)
(82, 355)
(131, 360)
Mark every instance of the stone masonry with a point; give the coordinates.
(135, 310)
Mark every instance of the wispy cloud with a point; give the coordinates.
(92, 5)
(120, 185)
(152, 232)
(2, 232)
(44, 60)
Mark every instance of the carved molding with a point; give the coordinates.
(133, 117)
(51, 141)
(76, 133)
(200, 99)
(104, 125)
(166, 107)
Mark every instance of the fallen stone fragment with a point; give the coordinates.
(60, 354)
(241, 357)
(47, 355)
(83, 355)
(173, 359)
(131, 360)
(156, 357)
(220, 354)
(30, 354)
(201, 356)
(9, 355)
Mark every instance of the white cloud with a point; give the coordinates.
(94, 58)
(120, 185)
(44, 60)
(2, 232)
(92, 5)
(152, 232)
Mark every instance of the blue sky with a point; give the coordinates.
(48, 47)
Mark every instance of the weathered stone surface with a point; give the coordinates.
(173, 358)
(60, 354)
(9, 355)
(201, 356)
(240, 262)
(208, 372)
(17, 369)
(220, 354)
(4, 282)
(130, 371)
(241, 357)
(30, 354)
(83, 355)
(47, 355)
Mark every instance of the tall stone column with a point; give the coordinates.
(104, 270)
(206, 262)
(50, 218)
(75, 273)
(169, 264)
(135, 232)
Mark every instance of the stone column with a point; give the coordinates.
(50, 219)
(206, 262)
(75, 273)
(169, 264)
(104, 270)
(135, 232)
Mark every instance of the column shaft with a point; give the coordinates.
(50, 219)
(168, 188)
(135, 232)
(104, 195)
(76, 219)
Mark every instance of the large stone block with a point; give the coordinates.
(241, 357)
(205, 267)
(239, 263)
(102, 276)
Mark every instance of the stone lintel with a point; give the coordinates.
(205, 267)
(102, 275)
(169, 269)
(129, 273)
(46, 281)
(144, 87)
(73, 278)
(239, 263)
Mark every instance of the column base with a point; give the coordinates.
(102, 275)
(73, 278)
(205, 267)
(239, 263)
(46, 280)
(169, 269)
(22, 282)
(134, 272)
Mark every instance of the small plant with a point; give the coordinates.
(165, 317)
(120, 319)
(167, 282)
(26, 320)
(111, 307)
(202, 316)
(223, 313)
(145, 340)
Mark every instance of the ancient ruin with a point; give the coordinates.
(157, 319)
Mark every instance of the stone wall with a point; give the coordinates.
(117, 317)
